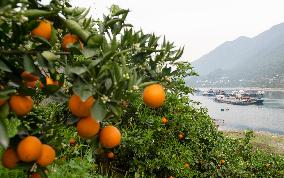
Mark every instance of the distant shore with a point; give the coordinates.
(265, 141)
(244, 88)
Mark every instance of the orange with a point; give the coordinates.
(49, 81)
(110, 137)
(34, 84)
(47, 155)
(88, 127)
(171, 177)
(2, 101)
(35, 175)
(29, 149)
(43, 30)
(21, 105)
(80, 108)
(10, 158)
(181, 136)
(110, 155)
(164, 120)
(72, 141)
(29, 77)
(154, 95)
(186, 165)
(222, 161)
(70, 39)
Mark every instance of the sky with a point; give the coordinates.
(199, 25)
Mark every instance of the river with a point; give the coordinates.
(268, 117)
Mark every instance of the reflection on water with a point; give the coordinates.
(266, 117)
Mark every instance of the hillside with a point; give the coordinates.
(257, 61)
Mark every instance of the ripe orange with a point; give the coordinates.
(29, 149)
(49, 81)
(171, 177)
(70, 39)
(110, 137)
(34, 84)
(2, 101)
(43, 30)
(81, 108)
(181, 136)
(29, 77)
(186, 165)
(222, 161)
(21, 105)
(154, 95)
(47, 155)
(88, 127)
(35, 175)
(164, 120)
(72, 141)
(10, 158)
(110, 155)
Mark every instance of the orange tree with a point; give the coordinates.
(56, 53)
(71, 88)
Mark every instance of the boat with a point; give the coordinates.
(245, 100)
(208, 93)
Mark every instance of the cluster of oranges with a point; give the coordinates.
(44, 30)
(89, 127)
(31, 80)
(30, 149)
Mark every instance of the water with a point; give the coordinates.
(267, 117)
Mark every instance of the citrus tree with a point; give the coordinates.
(57, 53)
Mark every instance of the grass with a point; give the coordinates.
(265, 141)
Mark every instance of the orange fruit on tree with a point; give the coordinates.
(35, 175)
(34, 84)
(110, 137)
(81, 108)
(50, 81)
(70, 39)
(222, 161)
(181, 136)
(47, 155)
(171, 177)
(154, 95)
(88, 127)
(29, 77)
(164, 120)
(21, 105)
(186, 165)
(43, 30)
(110, 155)
(29, 149)
(72, 141)
(10, 158)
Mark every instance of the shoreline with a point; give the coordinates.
(242, 88)
(265, 141)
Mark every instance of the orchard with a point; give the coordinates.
(86, 97)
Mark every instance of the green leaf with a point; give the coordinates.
(12, 125)
(75, 70)
(4, 139)
(108, 83)
(29, 64)
(42, 40)
(99, 110)
(7, 92)
(4, 67)
(4, 111)
(53, 37)
(88, 52)
(147, 83)
(84, 91)
(49, 55)
(116, 110)
(94, 63)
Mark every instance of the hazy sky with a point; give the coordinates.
(200, 25)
